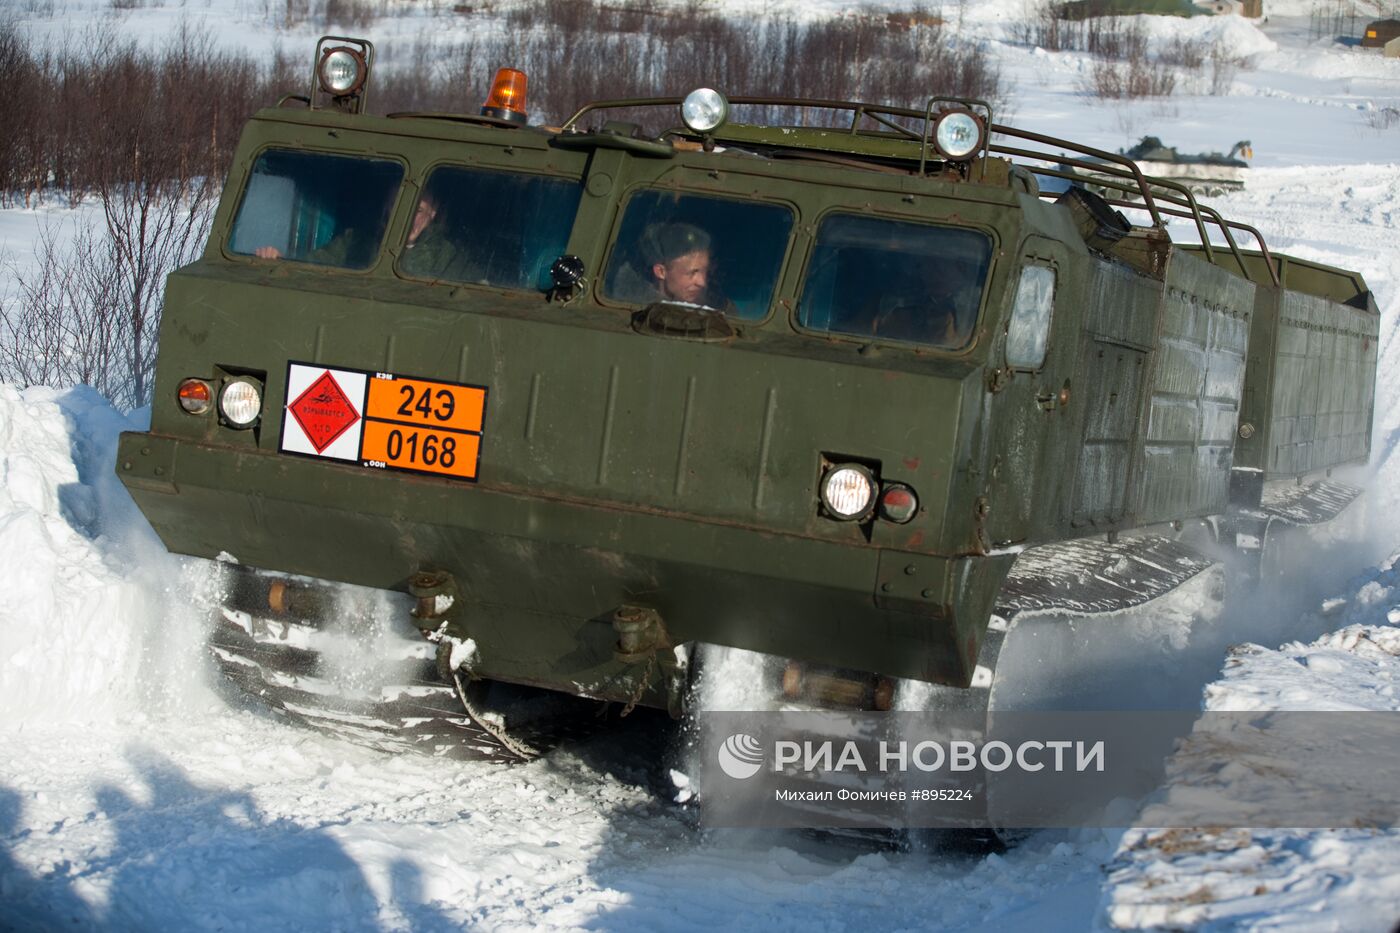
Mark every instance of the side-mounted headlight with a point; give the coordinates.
(241, 402)
(848, 492)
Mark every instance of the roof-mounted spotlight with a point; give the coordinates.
(959, 135)
(342, 72)
(704, 110)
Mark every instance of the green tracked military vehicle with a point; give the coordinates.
(850, 392)
(1211, 174)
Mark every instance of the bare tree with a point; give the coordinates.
(156, 189)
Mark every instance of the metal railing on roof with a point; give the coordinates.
(1123, 173)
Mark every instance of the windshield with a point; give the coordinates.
(872, 277)
(492, 228)
(311, 207)
(699, 250)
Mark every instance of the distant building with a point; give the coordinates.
(1380, 32)
(1392, 48)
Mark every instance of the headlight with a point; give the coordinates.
(240, 403)
(704, 110)
(959, 134)
(195, 396)
(342, 71)
(848, 491)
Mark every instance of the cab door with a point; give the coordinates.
(1032, 396)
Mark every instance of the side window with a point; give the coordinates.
(489, 227)
(699, 250)
(895, 280)
(1029, 331)
(312, 207)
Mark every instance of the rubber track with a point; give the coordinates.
(1093, 576)
(421, 713)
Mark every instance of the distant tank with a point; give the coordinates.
(1210, 174)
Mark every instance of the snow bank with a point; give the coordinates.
(1240, 36)
(82, 570)
(1355, 668)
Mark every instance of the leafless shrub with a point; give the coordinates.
(1039, 27)
(350, 14)
(1223, 66)
(1130, 80)
(1127, 65)
(1183, 52)
(24, 146)
(148, 134)
(1383, 118)
(70, 110)
(294, 13)
(86, 312)
(656, 51)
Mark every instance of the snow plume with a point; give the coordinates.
(1256, 879)
(1353, 668)
(84, 608)
(376, 638)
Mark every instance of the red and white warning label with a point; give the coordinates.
(384, 421)
(325, 412)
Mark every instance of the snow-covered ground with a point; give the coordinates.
(132, 796)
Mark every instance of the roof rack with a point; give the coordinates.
(1125, 175)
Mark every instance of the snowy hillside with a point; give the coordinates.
(134, 797)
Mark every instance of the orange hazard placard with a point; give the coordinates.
(422, 450)
(442, 405)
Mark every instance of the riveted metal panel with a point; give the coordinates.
(1195, 392)
(1323, 370)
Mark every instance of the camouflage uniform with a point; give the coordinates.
(436, 256)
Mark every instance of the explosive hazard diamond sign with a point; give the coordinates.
(325, 414)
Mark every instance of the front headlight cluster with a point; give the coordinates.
(849, 494)
(240, 400)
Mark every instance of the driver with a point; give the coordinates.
(671, 262)
(679, 254)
